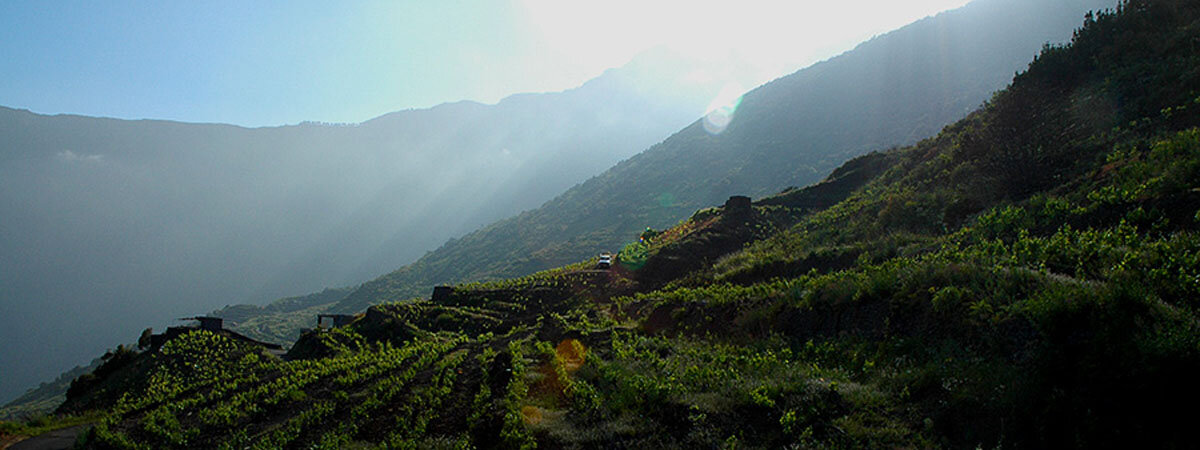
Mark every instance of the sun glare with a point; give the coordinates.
(774, 37)
(722, 109)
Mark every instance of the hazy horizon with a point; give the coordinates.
(253, 65)
(85, 62)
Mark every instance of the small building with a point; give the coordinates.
(211, 324)
(441, 293)
(208, 323)
(334, 320)
(738, 203)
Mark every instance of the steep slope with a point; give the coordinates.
(890, 91)
(111, 223)
(46, 397)
(939, 302)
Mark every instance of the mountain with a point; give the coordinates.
(47, 396)
(889, 91)
(1026, 278)
(111, 223)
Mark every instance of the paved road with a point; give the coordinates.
(55, 440)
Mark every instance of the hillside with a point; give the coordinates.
(45, 398)
(890, 91)
(1024, 279)
(130, 223)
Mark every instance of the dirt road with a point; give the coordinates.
(54, 440)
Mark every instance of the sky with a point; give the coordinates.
(265, 63)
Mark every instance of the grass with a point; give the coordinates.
(42, 424)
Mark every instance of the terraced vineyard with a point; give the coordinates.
(998, 285)
(252, 398)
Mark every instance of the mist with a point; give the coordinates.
(111, 226)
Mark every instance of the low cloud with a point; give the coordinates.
(68, 156)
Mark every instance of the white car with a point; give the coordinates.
(605, 260)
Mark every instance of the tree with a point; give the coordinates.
(144, 340)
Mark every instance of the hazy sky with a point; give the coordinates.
(268, 63)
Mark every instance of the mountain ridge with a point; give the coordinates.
(923, 296)
(648, 199)
(154, 218)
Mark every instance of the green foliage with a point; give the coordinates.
(35, 425)
(790, 132)
(1028, 278)
(634, 255)
(47, 397)
(514, 433)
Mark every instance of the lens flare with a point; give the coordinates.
(723, 108)
(572, 353)
(532, 415)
